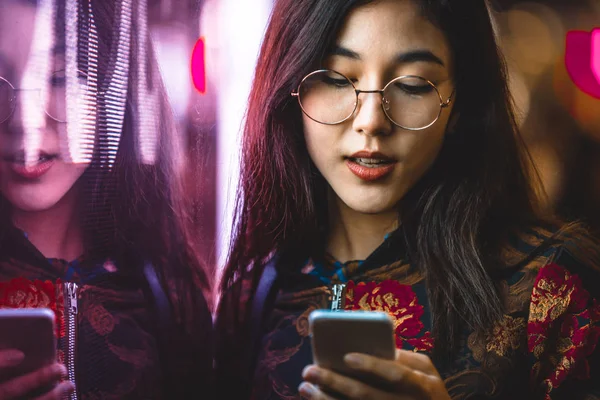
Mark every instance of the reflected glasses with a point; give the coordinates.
(410, 102)
(55, 92)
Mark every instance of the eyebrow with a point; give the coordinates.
(344, 52)
(5, 64)
(412, 56)
(3, 59)
(420, 55)
(58, 49)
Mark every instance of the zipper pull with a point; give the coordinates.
(338, 300)
(72, 297)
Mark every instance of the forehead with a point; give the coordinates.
(17, 23)
(382, 29)
(21, 24)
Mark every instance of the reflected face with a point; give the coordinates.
(369, 162)
(33, 174)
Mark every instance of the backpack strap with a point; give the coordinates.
(159, 300)
(172, 343)
(163, 320)
(262, 304)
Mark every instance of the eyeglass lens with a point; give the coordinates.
(52, 97)
(329, 97)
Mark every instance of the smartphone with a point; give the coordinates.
(30, 330)
(337, 333)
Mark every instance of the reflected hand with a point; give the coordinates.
(411, 376)
(22, 385)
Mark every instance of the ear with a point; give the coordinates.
(453, 122)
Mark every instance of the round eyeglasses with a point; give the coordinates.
(53, 96)
(410, 102)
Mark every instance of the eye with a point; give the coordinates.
(414, 89)
(335, 81)
(58, 79)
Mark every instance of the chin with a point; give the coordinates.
(367, 205)
(33, 199)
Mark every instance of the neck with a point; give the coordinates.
(55, 232)
(354, 235)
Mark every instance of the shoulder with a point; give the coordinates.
(563, 313)
(570, 246)
(547, 265)
(233, 301)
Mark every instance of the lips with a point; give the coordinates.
(370, 166)
(31, 171)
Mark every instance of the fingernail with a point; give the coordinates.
(353, 360)
(306, 389)
(14, 357)
(59, 369)
(68, 387)
(310, 372)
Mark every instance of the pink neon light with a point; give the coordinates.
(595, 54)
(199, 66)
(582, 59)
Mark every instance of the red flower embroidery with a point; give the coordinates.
(101, 320)
(23, 293)
(397, 300)
(558, 297)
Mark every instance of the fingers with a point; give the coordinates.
(417, 361)
(347, 387)
(22, 385)
(11, 358)
(310, 391)
(59, 392)
(414, 361)
(391, 374)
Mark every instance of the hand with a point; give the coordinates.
(22, 385)
(411, 376)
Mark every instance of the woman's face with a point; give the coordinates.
(33, 174)
(369, 162)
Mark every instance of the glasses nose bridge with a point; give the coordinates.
(380, 91)
(384, 101)
(16, 99)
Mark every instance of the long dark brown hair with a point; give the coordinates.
(134, 211)
(458, 216)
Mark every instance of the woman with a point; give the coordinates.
(381, 154)
(93, 222)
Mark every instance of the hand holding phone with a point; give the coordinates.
(28, 355)
(375, 370)
(337, 333)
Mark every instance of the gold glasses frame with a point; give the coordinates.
(384, 102)
(14, 97)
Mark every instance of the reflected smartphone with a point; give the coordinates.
(337, 333)
(30, 330)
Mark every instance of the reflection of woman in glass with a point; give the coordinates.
(382, 167)
(91, 205)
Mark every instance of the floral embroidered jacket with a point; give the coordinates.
(106, 326)
(543, 348)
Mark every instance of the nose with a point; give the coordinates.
(370, 119)
(27, 112)
(27, 124)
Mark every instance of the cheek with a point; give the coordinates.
(321, 144)
(64, 178)
(425, 149)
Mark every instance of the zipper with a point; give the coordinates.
(338, 297)
(70, 295)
